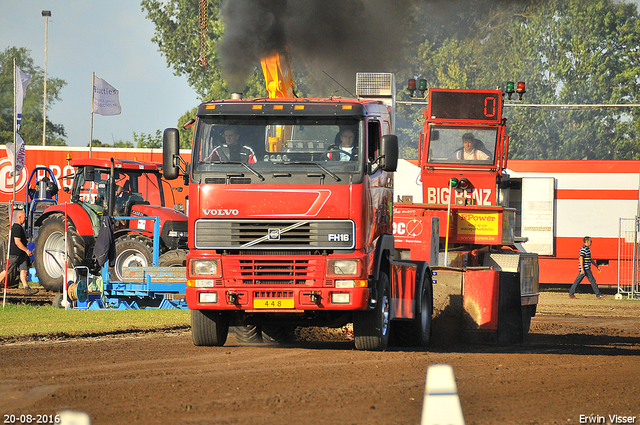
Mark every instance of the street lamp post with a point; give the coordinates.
(47, 15)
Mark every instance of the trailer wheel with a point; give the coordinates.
(132, 251)
(49, 252)
(272, 334)
(371, 328)
(175, 258)
(416, 332)
(209, 328)
(248, 334)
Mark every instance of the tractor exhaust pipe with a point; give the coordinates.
(112, 190)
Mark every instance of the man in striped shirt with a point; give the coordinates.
(584, 264)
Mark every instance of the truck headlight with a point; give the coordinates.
(343, 268)
(209, 268)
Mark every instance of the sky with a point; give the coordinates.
(111, 38)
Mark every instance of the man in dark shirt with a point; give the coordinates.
(19, 253)
(584, 265)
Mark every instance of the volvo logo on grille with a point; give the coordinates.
(221, 212)
(274, 234)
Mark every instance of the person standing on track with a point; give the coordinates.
(19, 253)
(584, 264)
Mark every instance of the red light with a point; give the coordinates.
(411, 87)
(520, 90)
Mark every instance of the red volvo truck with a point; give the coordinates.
(485, 282)
(287, 228)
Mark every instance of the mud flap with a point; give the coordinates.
(510, 329)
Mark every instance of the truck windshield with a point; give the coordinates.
(462, 145)
(278, 145)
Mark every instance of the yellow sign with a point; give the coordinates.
(272, 303)
(478, 224)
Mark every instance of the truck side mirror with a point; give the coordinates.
(389, 148)
(170, 149)
(89, 173)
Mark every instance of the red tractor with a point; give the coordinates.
(124, 188)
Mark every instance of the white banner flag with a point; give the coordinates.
(20, 155)
(106, 99)
(23, 81)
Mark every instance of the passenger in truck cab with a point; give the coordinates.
(344, 148)
(471, 149)
(232, 149)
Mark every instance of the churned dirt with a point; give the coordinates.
(581, 361)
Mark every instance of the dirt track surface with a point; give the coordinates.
(582, 358)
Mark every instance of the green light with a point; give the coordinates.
(453, 182)
(510, 87)
(422, 84)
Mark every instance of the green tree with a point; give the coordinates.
(568, 52)
(148, 141)
(31, 125)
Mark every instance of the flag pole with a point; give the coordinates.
(15, 131)
(93, 82)
(15, 126)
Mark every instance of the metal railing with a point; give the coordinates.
(629, 257)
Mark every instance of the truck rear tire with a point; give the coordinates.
(371, 328)
(131, 251)
(416, 332)
(275, 334)
(209, 328)
(49, 252)
(248, 334)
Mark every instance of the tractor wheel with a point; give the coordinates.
(49, 252)
(175, 258)
(131, 251)
(209, 328)
(248, 334)
(371, 328)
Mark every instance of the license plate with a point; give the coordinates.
(274, 303)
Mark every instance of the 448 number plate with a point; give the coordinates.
(274, 303)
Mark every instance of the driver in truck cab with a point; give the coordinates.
(232, 149)
(469, 150)
(344, 149)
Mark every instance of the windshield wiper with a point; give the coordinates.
(335, 176)
(254, 172)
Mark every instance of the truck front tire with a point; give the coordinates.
(371, 328)
(209, 328)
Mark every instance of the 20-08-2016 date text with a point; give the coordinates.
(31, 419)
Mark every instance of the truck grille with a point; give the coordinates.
(274, 234)
(256, 271)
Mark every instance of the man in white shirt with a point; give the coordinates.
(347, 139)
(469, 152)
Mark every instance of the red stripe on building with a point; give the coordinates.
(611, 194)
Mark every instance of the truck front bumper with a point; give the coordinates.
(281, 300)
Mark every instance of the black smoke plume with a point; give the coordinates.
(339, 37)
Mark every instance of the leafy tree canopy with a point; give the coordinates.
(567, 51)
(31, 124)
